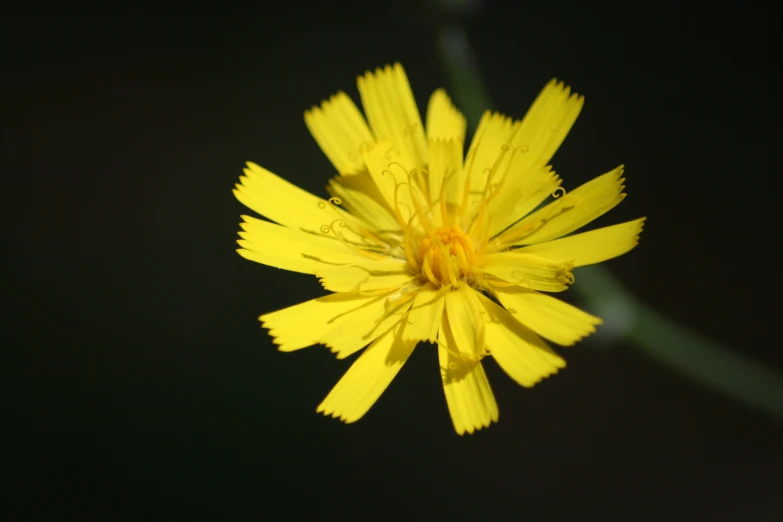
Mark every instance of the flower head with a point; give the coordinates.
(421, 243)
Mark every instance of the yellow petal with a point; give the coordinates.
(460, 347)
(425, 315)
(444, 121)
(379, 157)
(547, 123)
(287, 204)
(340, 131)
(569, 212)
(353, 333)
(367, 378)
(591, 247)
(518, 351)
(470, 399)
(493, 132)
(445, 168)
(392, 113)
(526, 270)
(361, 197)
(489, 156)
(372, 276)
(464, 321)
(551, 318)
(289, 249)
(305, 324)
(390, 174)
(521, 193)
(344, 322)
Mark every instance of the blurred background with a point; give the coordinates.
(138, 369)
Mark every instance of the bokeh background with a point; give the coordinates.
(139, 371)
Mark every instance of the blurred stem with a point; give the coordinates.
(712, 364)
(462, 74)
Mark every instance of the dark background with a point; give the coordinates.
(139, 370)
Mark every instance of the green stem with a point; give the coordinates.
(715, 366)
(466, 82)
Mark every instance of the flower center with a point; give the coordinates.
(446, 255)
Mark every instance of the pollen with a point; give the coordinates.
(446, 256)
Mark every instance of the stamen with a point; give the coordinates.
(375, 242)
(425, 267)
(454, 270)
(397, 164)
(392, 154)
(444, 207)
(465, 197)
(422, 181)
(358, 288)
(522, 233)
(333, 203)
(445, 257)
(385, 171)
(493, 171)
(401, 205)
(410, 250)
(397, 214)
(370, 293)
(325, 229)
(423, 211)
(488, 194)
(399, 298)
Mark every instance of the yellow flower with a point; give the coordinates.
(417, 244)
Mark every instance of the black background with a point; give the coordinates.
(139, 370)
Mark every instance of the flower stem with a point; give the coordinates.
(714, 365)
